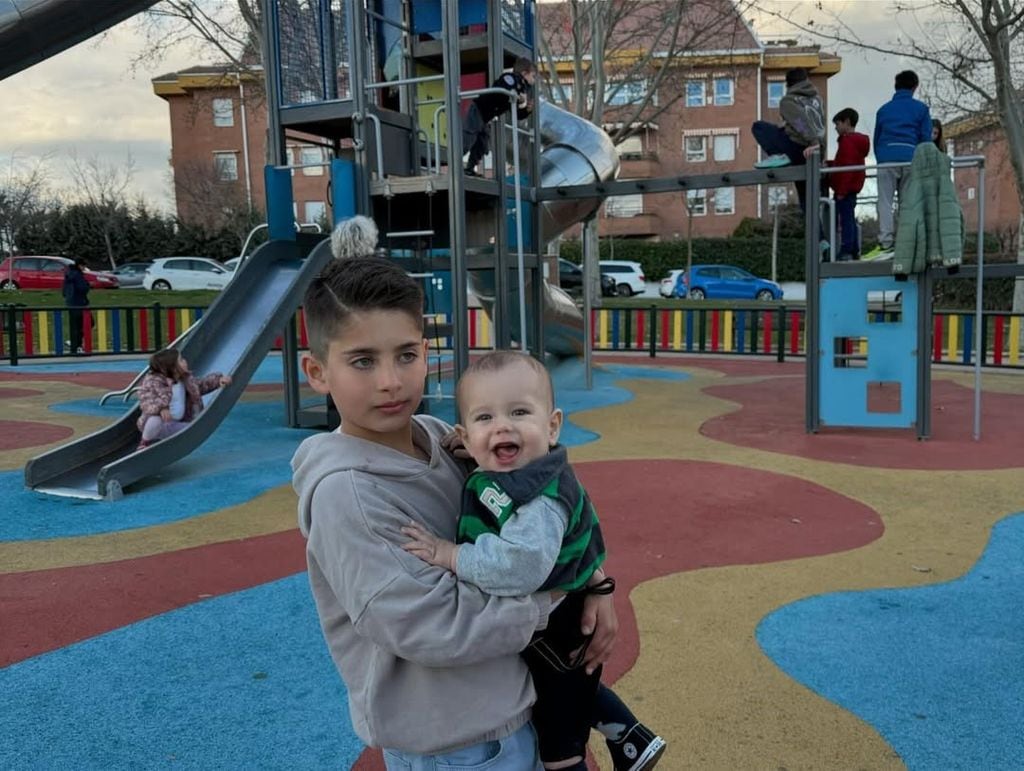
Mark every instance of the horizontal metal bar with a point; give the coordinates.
(960, 162)
(675, 184)
(408, 233)
(403, 81)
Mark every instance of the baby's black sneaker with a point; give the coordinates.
(639, 750)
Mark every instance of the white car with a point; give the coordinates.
(233, 263)
(668, 284)
(629, 276)
(186, 273)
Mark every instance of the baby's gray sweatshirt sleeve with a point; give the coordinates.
(520, 558)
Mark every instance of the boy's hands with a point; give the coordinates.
(599, 617)
(453, 444)
(430, 548)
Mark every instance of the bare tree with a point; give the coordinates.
(630, 58)
(104, 188)
(230, 31)
(974, 52)
(210, 202)
(22, 193)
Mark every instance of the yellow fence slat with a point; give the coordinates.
(1014, 356)
(677, 330)
(727, 331)
(43, 332)
(952, 336)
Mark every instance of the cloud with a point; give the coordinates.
(87, 100)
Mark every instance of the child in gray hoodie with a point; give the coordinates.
(431, 664)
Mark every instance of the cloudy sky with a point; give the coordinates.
(89, 102)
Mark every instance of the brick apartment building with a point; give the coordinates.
(982, 135)
(219, 145)
(218, 136)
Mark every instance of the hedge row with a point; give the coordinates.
(658, 258)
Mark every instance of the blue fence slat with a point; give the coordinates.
(968, 337)
(115, 322)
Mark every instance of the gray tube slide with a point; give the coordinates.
(34, 30)
(575, 152)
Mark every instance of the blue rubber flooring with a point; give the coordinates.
(937, 670)
(230, 468)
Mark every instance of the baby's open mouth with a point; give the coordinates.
(506, 451)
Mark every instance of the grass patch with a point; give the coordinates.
(112, 298)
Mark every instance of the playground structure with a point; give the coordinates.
(378, 85)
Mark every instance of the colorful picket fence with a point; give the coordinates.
(778, 331)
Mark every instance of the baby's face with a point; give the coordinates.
(507, 417)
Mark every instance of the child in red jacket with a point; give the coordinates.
(852, 150)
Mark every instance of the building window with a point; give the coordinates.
(226, 165)
(778, 195)
(725, 147)
(696, 149)
(223, 112)
(776, 90)
(697, 202)
(311, 155)
(624, 205)
(631, 147)
(625, 92)
(695, 93)
(315, 211)
(723, 92)
(970, 194)
(725, 200)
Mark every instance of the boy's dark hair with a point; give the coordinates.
(345, 287)
(795, 75)
(906, 80)
(495, 361)
(848, 114)
(522, 65)
(165, 362)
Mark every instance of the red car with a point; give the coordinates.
(46, 273)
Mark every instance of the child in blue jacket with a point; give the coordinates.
(901, 124)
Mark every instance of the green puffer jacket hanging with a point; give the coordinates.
(931, 223)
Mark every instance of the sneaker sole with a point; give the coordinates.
(650, 757)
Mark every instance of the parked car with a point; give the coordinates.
(725, 282)
(668, 284)
(130, 273)
(570, 278)
(629, 276)
(570, 275)
(233, 263)
(31, 272)
(186, 273)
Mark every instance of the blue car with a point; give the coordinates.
(725, 282)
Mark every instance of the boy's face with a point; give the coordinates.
(374, 372)
(843, 127)
(507, 417)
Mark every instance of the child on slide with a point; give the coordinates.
(169, 397)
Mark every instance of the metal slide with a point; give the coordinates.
(234, 336)
(34, 30)
(576, 152)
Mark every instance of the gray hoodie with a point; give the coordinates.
(430, 663)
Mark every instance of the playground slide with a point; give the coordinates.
(234, 337)
(34, 30)
(576, 152)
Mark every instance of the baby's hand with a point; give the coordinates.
(454, 446)
(430, 548)
(225, 380)
(165, 415)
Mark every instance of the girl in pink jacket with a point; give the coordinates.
(169, 397)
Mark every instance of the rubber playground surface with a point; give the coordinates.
(852, 599)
